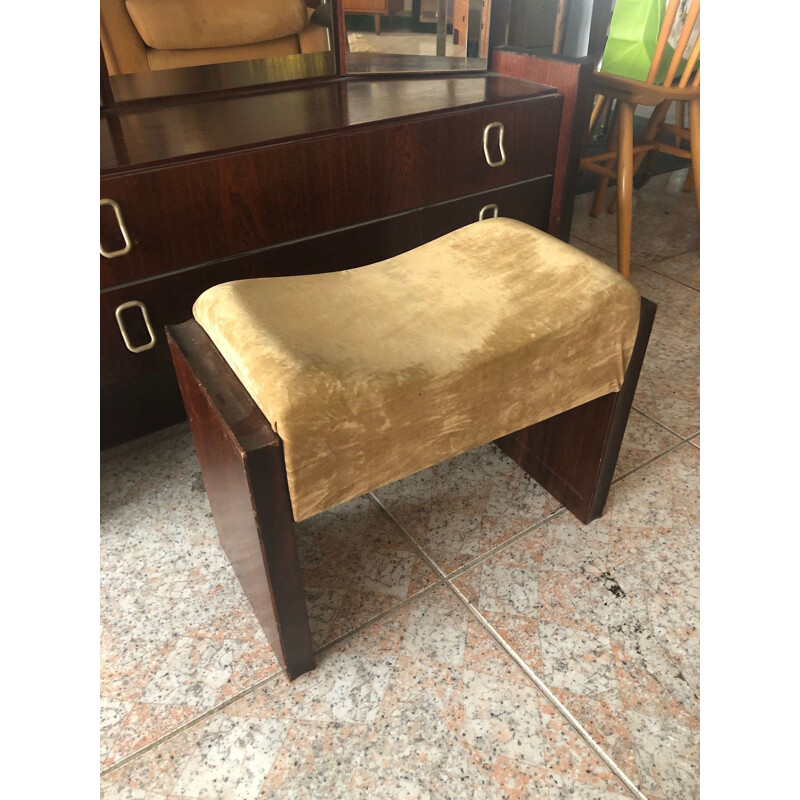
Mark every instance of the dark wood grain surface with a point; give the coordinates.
(573, 455)
(243, 470)
(193, 212)
(169, 298)
(168, 133)
(573, 78)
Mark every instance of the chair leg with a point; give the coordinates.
(573, 455)
(602, 183)
(680, 120)
(624, 187)
(600, 103)
(245, 477)
(694, 138)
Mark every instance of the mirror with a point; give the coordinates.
(156, 48)
(416, 35)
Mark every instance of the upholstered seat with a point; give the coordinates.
(149, 35)
(371, 374)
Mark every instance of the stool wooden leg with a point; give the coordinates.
(245, 477)
(573, 455)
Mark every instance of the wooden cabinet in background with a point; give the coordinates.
(329, 176)
(377, 8)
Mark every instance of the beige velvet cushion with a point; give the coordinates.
(196, 24)
(172, 59)
(370, 374)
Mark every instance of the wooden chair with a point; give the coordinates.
(623, 157)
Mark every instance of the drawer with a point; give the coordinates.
(141, 310)
(198, 212)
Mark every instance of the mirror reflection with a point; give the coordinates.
(147, 36)
(448, 34)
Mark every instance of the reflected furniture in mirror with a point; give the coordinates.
(216, 172)
(147, 35)
(375, 8)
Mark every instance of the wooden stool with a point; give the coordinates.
(304, 392)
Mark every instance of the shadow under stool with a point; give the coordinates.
(303, 392)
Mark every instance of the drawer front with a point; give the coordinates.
(132, 318)
(198, 212)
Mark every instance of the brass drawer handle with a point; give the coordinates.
(118, 314)
(500, 132)
(122, 228)
(489, 207)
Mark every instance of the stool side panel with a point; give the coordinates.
(250, 504)
(563, 454)
(622, 409)
(573, 455)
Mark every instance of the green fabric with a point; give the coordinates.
(371, 374)
(632, 37)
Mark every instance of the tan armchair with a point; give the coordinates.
(146, 35)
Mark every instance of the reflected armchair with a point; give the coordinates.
(146, 35)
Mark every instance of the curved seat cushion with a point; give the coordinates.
(371, 374)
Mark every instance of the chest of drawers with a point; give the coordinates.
(331, 176)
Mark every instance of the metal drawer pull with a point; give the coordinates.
(489, 207)
(123, 230)
(501, 130)
(118, 314)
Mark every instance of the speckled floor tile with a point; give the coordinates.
(644, 440)
(356, 564)
(608, 616)
(421, 704)
(684, 268)
(461, 508)
(178, 636)
(669, 385)
(665, 221)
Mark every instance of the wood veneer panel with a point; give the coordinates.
(243, 470)
(573, 455)
(163, 134)
(197, 212)
(573, 78)
(169, 299)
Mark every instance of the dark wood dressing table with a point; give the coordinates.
(292, 179)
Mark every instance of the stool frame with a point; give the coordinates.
(572, 455)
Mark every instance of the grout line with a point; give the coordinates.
(402, 604)
(479, 559)
(498, 548)
(652, 268)
(189, 724)
(650, 461)
(518, 660)
(664, 426)
(249, 690)
(542, 687)
(426, 558)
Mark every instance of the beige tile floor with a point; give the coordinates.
(456, 613)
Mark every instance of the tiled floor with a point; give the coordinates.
(457, 613)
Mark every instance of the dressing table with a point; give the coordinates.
(309, 162)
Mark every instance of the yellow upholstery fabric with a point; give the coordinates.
(172, 59)
(371, 374)
(196, 24)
